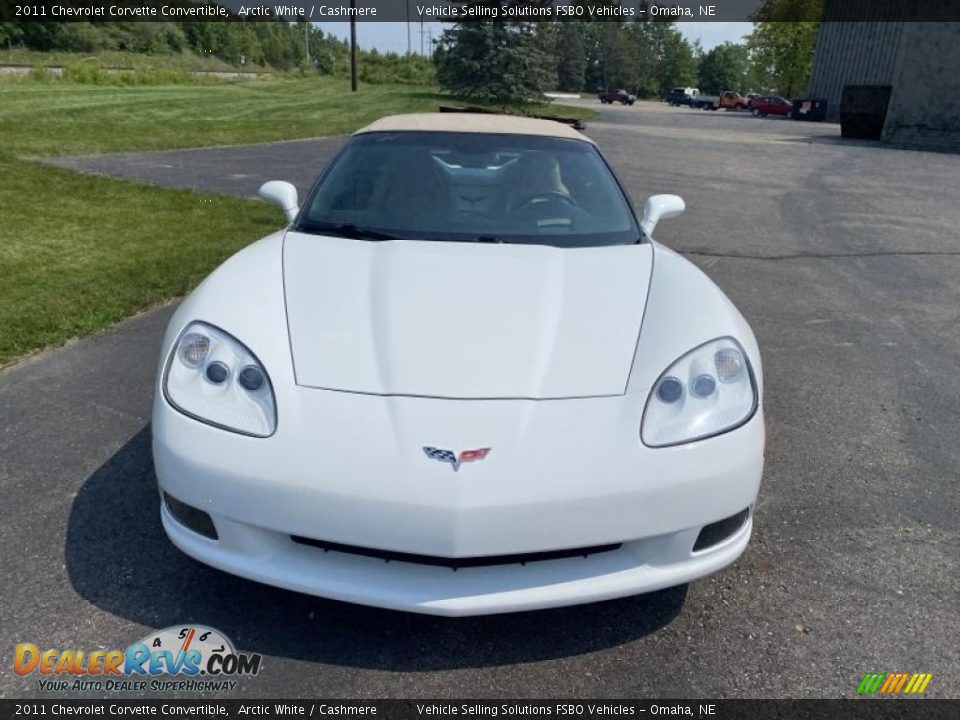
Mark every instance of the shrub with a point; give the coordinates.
(41, 73)
(164, 76)
(85, 73)
(88, 74)
(80, 37)
(383, 69)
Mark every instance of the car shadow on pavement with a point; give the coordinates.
(119, 559)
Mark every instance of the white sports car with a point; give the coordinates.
(463, 380)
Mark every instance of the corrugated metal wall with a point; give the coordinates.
(853, 53)
(920, 60)
(924, 108)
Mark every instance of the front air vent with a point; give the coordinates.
(456, 563)
(716, 533)
(191, 517)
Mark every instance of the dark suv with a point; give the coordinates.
(620, 96)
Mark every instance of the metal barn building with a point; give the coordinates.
(915, 64)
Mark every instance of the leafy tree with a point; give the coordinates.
(10, 33)
(609, 58)
(158, 37)
(782, 44)
(571, 57)
(781, 55)
(80, 37)
(618, 56)
(671, 60)
(646, 57)
(788, 11)
(593, 75)
(43, 35)
(724, 68)
(502, 61)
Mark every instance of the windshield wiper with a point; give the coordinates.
(348, 230)
(491, 239)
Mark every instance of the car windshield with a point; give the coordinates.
(484, 187)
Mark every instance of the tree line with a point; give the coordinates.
(272, 44)
(508, 61)
(275, 44)
(498, 61)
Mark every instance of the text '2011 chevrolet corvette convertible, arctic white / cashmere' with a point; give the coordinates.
(463, 380)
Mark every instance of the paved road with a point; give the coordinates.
(845, 258)
(235, 170)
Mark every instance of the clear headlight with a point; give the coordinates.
(212, 377)
(708, 391)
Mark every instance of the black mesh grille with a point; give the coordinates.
(456, 563)
(191, 517)
(719, 531)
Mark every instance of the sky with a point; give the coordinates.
(392, 36)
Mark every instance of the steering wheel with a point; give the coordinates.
(545, 195)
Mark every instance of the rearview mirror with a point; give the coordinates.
(283, 194)
(660, 207)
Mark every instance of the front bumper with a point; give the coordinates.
(273, 558)
(564, 474)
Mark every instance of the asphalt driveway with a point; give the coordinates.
(845, 259)
(233, 170)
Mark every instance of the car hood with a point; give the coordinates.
(463, 320)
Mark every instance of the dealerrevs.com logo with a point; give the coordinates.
(191, 657)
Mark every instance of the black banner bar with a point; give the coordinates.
(212, 709)
(475, 10)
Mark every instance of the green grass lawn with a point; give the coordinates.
(78, 252)
(60, 118)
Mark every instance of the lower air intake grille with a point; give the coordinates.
(191, 517)
(716, 533)
(456, 563)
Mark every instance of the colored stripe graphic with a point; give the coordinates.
(894, 683)
(922, 683)
(870, 683)
(889, 683)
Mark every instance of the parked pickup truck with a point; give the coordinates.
(620, 96)
(728, 100)
(682, 96)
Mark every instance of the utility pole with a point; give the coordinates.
(306, 41)
(409, 36)
(353, 46)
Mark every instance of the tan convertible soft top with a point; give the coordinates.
(473, 123)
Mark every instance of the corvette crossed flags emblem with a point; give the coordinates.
(448, 456)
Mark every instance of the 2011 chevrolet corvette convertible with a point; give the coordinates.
(463, 380)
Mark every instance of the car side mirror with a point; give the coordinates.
(660, 207)
(283, 194)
